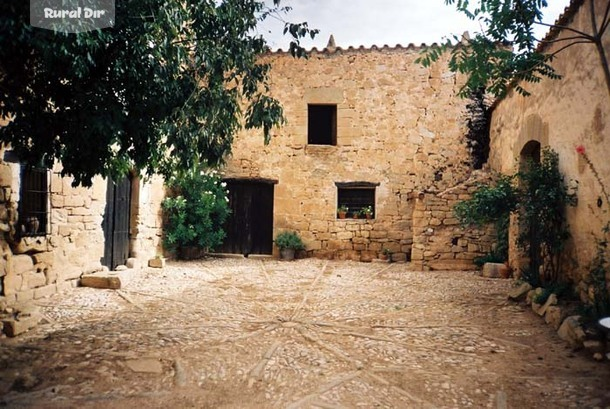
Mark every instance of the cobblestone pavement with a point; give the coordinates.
(305, 334)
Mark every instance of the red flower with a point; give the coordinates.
(580, 150)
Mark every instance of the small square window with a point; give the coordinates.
(33, 202)
(357, 200)
(322, 124)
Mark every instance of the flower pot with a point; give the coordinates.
(341, 215)
(287, 254)
(33, 224)
(355, 215)
(369, 216)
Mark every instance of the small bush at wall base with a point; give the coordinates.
(289, 240)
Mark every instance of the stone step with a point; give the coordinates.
(112, 280)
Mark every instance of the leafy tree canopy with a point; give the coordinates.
(506, 51)
(166, 88)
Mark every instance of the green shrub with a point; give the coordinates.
(544, 197)
(289, 240)
(195, 210)
(540, 201)
(491, 204)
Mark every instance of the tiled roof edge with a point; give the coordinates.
(562, 21)
(338, 50)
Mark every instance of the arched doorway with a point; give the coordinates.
(530, 258)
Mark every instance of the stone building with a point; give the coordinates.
(366, 128)
(565, 114)
(53, 233)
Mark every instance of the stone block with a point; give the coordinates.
(367, 256)
(554, 316)
(378, 234)
(12, 284)
(157, 262)
(14, 327)
(552, 300)
(22, 264)
(495, 270)
(101, 280)
(25, 295)
(44, 292)
(519, 292)
(31, 244)
(35, 279)
(571, 332)
(74, 201)
(113, 280)
(6, 174)
(345, 235)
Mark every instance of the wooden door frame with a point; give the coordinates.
(252, 181)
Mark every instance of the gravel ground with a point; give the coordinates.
(229, 333)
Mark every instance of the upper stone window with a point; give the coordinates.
(33, 202)
(321, 124)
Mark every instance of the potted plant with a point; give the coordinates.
(342, 211)
(387, 255)
(367, 212)
(288, 242)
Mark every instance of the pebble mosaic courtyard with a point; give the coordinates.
(254, 333)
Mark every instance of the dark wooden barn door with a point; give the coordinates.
(250, 225)
(116, 222)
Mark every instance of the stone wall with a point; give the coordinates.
(400, 126)
(440, 242)
(39, 266)
(564, 114)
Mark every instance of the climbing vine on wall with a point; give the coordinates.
(478, 122)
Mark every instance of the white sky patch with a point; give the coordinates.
(379, 22)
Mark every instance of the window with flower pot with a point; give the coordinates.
(356, 199)
(322, 124)
(33, 201)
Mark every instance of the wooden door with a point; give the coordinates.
(116, 222)
(250, 226)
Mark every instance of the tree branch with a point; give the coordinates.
(558, 40)
(569, 45)
(605, 20)
(593, 20)
(582, 33)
